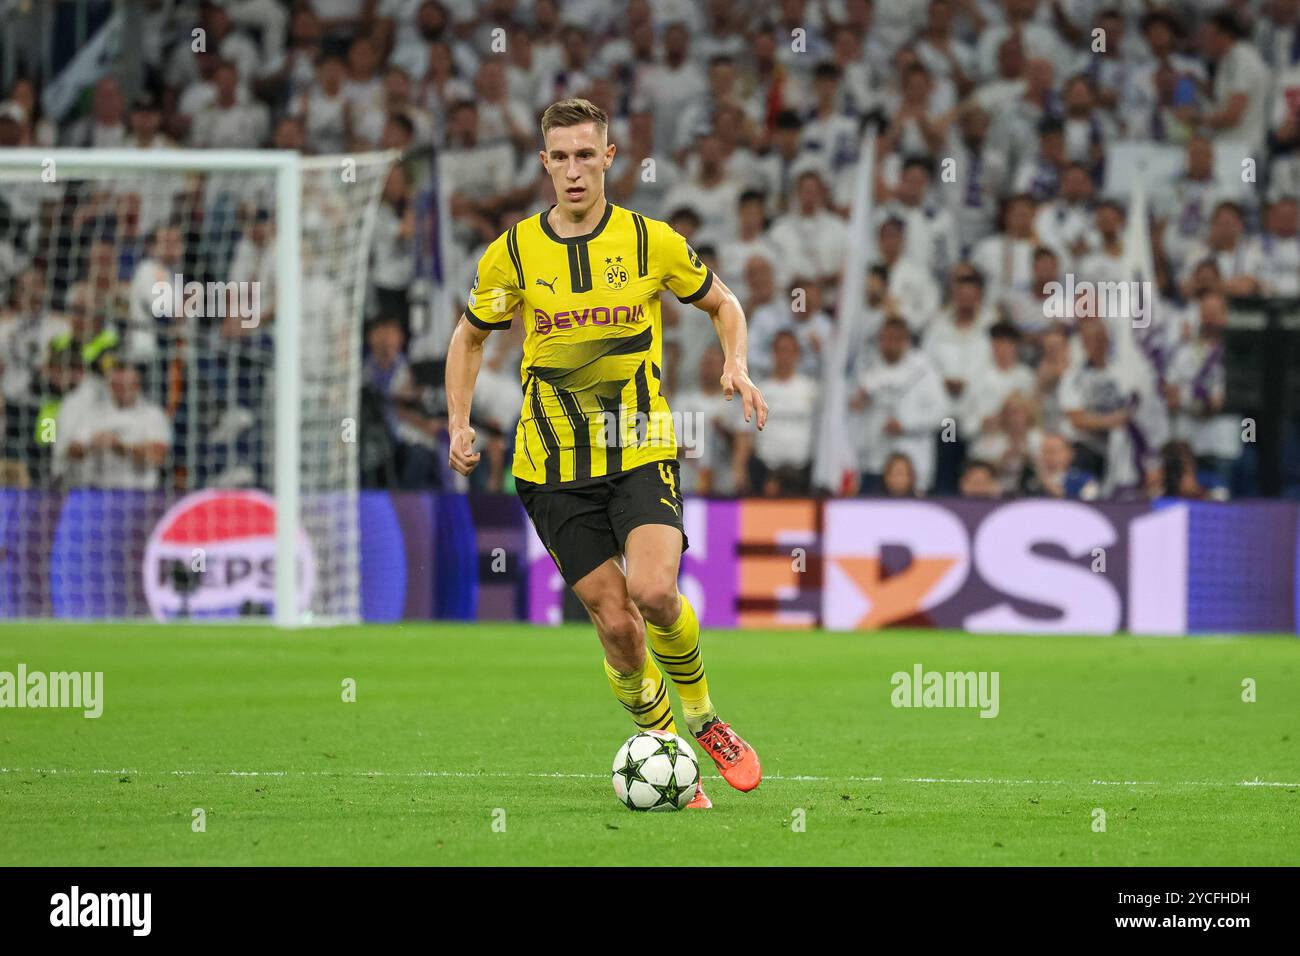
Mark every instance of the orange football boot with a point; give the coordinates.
(735, 759)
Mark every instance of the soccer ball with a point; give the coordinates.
(655, 770)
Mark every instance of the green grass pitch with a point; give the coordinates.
(491, 744)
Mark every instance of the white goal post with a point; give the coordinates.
(320, 213)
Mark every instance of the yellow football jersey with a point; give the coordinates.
(593, 344)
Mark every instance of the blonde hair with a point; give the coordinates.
(574, 112)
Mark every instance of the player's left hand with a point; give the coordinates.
(736, 379)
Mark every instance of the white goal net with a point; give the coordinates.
(180, 356)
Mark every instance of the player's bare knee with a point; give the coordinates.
(656, 598)
(618, 620)
(623, 634)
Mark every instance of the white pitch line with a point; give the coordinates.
(784, 778)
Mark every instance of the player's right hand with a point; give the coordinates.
(463, 458)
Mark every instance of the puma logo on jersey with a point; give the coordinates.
(670, 505)
(550, 285)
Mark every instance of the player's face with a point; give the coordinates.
(576, 158)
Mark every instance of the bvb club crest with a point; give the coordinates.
(616, 276)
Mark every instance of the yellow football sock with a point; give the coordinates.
(677, 649)
(645, 695)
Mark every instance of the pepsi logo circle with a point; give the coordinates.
(212, 555)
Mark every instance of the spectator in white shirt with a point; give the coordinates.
(766, 313)
(1032, 311)
(145, 121)
(1183, 206)
(1277, 33)
(812, 239)
(670, 87)
(930, 227)
(1053, 362)
(1086, 126)
(710, 192)
(1006, 258)
(714, 461)
(944, 54)
(152, 293)
(1013, 443)
(751, 240)
(1284, 134)
(1001, 374)
(700, 117)
(1040, 174)
(1277, 249)
(1065, 222)
(1105, 261)
(1019, 122)
(26, 334)
(118, 443)
(371, 128)
(228, 123)
(1225, 244)
(1239, 108)
(982, 173)
(1018, 20)
(805, 318)
(483, 176)
(570, 75)
(362, 87)
(288, 73)
(831, 134)
(641, 176)
(392, 249)
(1110, 69)
(500, 117)
(912, 292)
(233, 46)
(957, 341)
(782, 458)
(1097, 397)
(1195, 390)
(440, 84)
(324, 109)
(784, 161)
(902, 400)
(105, 127)
(253, 261)
(914, 127)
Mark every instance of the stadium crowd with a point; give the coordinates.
(740, 123)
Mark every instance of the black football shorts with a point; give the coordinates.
(585, 523)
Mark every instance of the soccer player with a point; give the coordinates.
(595, 453)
